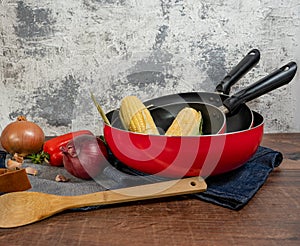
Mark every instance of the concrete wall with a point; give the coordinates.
(52, 53)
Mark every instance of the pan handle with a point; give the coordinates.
(272, 81)
(248, 62)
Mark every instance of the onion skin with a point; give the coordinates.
(85, 156)
(22, 137)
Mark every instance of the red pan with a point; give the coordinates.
(193, 155)
(215, 99)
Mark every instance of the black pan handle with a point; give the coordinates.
(248, 62)
(272, 81)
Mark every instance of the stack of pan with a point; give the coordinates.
(232, 132)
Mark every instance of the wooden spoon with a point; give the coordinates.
(22, 208)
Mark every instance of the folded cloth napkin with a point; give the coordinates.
(2, 158)
(235, 189)
(231, 190)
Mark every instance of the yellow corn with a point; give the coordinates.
(136, 117)
(187, 122)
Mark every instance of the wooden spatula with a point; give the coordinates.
(22, 208)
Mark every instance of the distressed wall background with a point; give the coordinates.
(54, 52)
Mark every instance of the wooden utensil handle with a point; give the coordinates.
(135, 193)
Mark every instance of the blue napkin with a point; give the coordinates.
(235, 189)
(2, 158)
(232, 190)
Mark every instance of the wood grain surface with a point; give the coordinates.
(272, 217)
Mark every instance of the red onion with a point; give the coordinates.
(85, 156)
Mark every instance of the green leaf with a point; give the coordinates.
(39, 158)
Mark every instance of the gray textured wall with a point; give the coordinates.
(54, 52)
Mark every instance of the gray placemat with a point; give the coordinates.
(231, 190)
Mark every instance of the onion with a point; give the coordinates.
(22, 137)
(84, 156)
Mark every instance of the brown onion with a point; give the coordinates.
(22, 137)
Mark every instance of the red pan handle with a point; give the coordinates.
(248, 62)
(272, 81)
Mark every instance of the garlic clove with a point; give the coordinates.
(31, 171)
(61, 178)
(13, 165)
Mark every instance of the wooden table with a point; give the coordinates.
(272, 217)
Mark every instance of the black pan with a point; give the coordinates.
(215, 98)
(214, 117)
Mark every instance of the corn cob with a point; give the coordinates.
(136, 117)
(187, 122)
